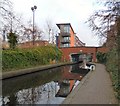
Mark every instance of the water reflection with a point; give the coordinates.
(66, 86)
(39, 95)
(46, 87)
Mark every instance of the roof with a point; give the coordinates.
(79, 40)
(65, 24)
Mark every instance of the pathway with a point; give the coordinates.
(96, 89)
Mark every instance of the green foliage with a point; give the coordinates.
(113, 67)
(12, 39)
(23, 58)
(101, 57)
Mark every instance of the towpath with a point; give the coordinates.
(95, 89)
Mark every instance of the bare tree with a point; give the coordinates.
(102, 20)
(10, 21)
(28, 31)
(48, 28)
(5, 7)
(13, 24)
(51, 30)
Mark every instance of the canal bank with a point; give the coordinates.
(44, 87)
(95, 88)
(11, 74)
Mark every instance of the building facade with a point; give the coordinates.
(67, 37)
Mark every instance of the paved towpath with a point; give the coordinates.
(95, 89)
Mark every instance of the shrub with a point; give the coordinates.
(101, 57)
(23, 58)
(110, 59)
(12, 39)
(112, 66)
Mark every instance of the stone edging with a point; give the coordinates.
(12, 74)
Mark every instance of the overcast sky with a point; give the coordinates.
(75, 12)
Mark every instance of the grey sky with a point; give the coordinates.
(75, 12)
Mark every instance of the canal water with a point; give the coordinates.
(46, 87)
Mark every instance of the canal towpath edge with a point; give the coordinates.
(95, 88)
(11, 74)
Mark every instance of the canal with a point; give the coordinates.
(46, 87)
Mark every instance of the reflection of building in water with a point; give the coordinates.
(74, 72)
(44, 87)
(70, 75)
(80, 69)
(66, 74)
(66, 87)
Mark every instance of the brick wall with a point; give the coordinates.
(93, 50)
(72, 38)
(30, 44)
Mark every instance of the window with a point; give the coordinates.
(67, 28)
(66, 45)
(66, 38)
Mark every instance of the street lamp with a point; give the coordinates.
(33, 10)
(56, 46)
(57, 40)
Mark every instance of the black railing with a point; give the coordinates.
(65, 34)
(65, 41)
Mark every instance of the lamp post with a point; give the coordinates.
(56, 40)
(56, 46)
(33, 10)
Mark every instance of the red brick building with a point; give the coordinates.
(68, 52)
(71, 45)
(29, 44)
(67, 36)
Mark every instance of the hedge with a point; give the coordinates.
(101, 57)
(113, 67)
(23, 58)
(110, 59)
